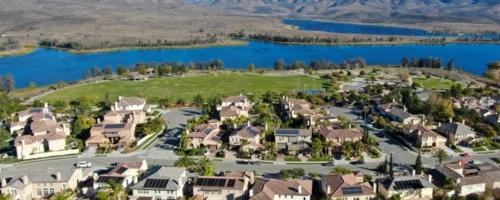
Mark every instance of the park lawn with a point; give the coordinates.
(433, 83)
(224, 83)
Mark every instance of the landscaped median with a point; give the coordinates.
(144, 142)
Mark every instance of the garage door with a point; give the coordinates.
(92, 144)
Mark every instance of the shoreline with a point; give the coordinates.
(90, 51)
(26, 49)
(375, 43)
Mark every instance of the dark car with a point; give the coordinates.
(243, 162)
(255, 162)
(328, 164)
(359, 162)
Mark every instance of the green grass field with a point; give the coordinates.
(225, 83)
(433, 83)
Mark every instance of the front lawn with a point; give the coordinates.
(224, 82)
(318, 159)
(293, 159)
(478, 149)
(491, 147)
(434, 83)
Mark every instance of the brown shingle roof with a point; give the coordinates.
(247, 131)
(28, 139)
(423, 130)
(238, 185)
(203, 130)
(233, 99)
(471, 180)
(337, 182)
(330, 133)
(265, 189)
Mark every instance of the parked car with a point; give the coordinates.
(255, 162)
(120, 148)
(466, 155)
(331, 163)
(83, 164)
(475, 162)
(85, 149)
(243, 162)
(206, 153)
(359, 162)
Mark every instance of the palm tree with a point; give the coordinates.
(184, 140)
(117, 190)
(329, 145)
(347, 147)
(5, 196)
(184, 161)
(317, 146)
(359, 148)
(206, 167)
(103, 195)
(64, 195)
(271, 148)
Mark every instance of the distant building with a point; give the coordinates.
(102, 134)
(125, 173)
(164, 183)
(220, 187)
(456, 131)
(295, 107)
(278, 189)
(293, 139)
(408, 187)
(249, 133)
(346, 187)
(131, 103)
(422, 136)
(205, 136)
(233, 107)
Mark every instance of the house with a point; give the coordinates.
(163, 183)
(408, 187)
(131, 103)
(39, 134)
(233, 107)
(136, 76)
(296, 139)
(40, 183)
(295, 107)
(346, 187)
(471, 179)
(125, 173)
(278, 189)
(421, 136)
(249, 133)
(248, 174)
(121, 134)
(339, 136)
(150, 72)
(456, 131)
(205, 136)
(398, 113)
(487, 102)
(312, 120)
(220, 187)
(125, 116)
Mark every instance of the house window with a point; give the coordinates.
(64, 186)
(45, 191)
(52, 191)
(157, 198)
(39, 191)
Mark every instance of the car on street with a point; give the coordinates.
(83, 164)
(85, 149)
(257, 162)
(466, 155)
(359, 162)
(331, 163)
(475, 162)
(243, 162)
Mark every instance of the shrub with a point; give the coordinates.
(220, 154)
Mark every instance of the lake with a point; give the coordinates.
(336, 27)
(48, 66)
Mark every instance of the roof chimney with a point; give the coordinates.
(23, 142)
(375, 187)
(4, 182)
(98, 120)
(459, 163)
(350, 126)
(393, 100)
(116, 106)
(463, 121)
(451, 119)
(404, 108)
(430, 178)
(58, 176)
(266, 127)
(248, 123)
(180, 181)
(46, 106)
(25, 179)
(413, 172)
(328, 190)
(283, 97)
(235, 126)
(187, 131)
(439, 124)
(299, 189)
(250, 193)
(458, 181)
(120, 98)
(327, 112)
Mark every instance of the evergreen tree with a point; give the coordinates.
(391, 164)
(451, 64)
(418, 164)
(385, 164)
(87, 74)
(120, 70)
(251, 68)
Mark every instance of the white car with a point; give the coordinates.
(83, 164)
(475, 162)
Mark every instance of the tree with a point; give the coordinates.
(395, 197)
(317, 146)
(206, 167)
(60, 84)
(120, 70)
(405, 62)
(32, 86)
(117, 190)
(142, 69)
(279, 65)
(63, 195)
(251, 68)
(7, 83)
(198, 100)
(87, 74)
(391, 165)
(340, 171)
(5, 196)
(184, 161)
(107, 71)
(96, 72)
(103, 195)
(60, 106)
(441, 155)
(450, 65)
(419, 167)
(405, 77)
(37, 103)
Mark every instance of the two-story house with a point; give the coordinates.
(220, 187)
(293, 139)
(346, 187)
(41, 183)
(249, 133)
(408, 187)
(280, 189)
(131, 103)
(295, 107)
(205, 136)
(103, 133)
(422, 136)
(233, 107)
(314, 119)
(397, 112)
(339, 136)
(456, 131)
(164, 183)
(125, 116)
(125, 173)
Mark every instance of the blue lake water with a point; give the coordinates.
(48, 66)
(336, 27)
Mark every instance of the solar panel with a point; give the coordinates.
(121, 170)
(35, 110)
(231, 183)
(47, 116)
(216, 138)
(98, 125)
(114, 126)
(106, 179)
(251, 131)
(221, 182)
(156, 183)
(288, 131)
(407, 184)
(352, 190)
(211, 182)
(199, 181)
(207, 131)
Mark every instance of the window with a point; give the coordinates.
(285, 196)
(45, 191)
(39, 191)
(157, 198)
(52, 191)
(64, 186)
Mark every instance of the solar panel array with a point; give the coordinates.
(352, 190)
(207, 131)
(251, 131)
(156, 183)
(106, 179)
(121, 170)
(288, 131)
(408, 184)
(216, 138)
(47, 116)
(35, 110)
(210, 182)
(98, 125)
(231, 183)
(114, 126)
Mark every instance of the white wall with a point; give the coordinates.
(50, 154)
(157, 193)
(469, 189)
(292, 197)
